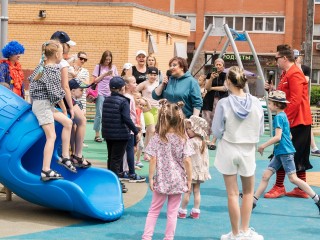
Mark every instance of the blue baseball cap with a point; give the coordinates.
(75, 83)
(116, 83)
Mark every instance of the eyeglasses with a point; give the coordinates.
(83, 59)
(276, 58)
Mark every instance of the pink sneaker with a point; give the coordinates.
(182, 213)
(195, 213)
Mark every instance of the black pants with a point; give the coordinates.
(116, 150)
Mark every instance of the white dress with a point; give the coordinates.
(200, 162)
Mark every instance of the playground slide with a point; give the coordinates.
(91, 192)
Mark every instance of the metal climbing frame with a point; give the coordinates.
(232, 37)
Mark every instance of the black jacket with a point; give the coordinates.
(116, 121)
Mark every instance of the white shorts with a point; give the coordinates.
(236, 158)
(43, 111)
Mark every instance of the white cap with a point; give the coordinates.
(296, 53)
(127, 66)
(141, 52)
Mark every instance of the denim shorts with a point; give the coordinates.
(286, 161)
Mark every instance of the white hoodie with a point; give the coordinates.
(238, 119)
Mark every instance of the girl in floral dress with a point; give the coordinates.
(196, 130)
(170, 172)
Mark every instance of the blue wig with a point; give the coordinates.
(12, 48)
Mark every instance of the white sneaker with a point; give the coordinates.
(251, 234)
(230, 236)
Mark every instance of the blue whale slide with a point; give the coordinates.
(93, 192)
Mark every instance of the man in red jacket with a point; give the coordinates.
(293, 83)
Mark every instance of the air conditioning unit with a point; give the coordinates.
(317, 46)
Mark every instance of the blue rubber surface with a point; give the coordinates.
(94, 192)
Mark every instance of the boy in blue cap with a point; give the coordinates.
(116, 125)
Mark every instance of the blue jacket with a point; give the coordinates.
(185, 89)
(116, 121)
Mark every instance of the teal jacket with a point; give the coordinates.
(185, 89)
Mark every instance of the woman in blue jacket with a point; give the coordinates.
(180, 86)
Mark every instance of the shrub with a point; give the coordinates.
(315, 95)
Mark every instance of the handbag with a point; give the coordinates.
(92, 91)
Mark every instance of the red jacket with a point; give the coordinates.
(294, 84)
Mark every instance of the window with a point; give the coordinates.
(315, 76)
(316, 32)
(280, 24)
(252, 24)
(207, 21)
(248, 23)
(218, 22)
(258, 24)
(239, 23)
(270, 24)
(229, 21)
(192, 21)
(317, 1)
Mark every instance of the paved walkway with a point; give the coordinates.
(284, 218)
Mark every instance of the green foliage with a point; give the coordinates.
(315, 95)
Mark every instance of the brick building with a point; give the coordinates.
(268, 23)
(122, 28)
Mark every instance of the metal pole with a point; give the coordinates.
(225, 46)
(308, 46)
(260, 73)
(199, 48)
(172, 4)
(4, 24)
(235, 50)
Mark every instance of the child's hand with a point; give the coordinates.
(261, 149)
(151, 184)
(189, 186)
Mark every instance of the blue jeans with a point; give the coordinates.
(98, 116)
(286, 161)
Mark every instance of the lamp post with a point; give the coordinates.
(4, 24)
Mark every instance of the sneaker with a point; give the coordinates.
(230, 236)
(124, 189)
(275, 192)
(123, 176)
(251, 234)
(254, 205)
(182, 213)
(298, 193)
(315, 153)
(139, 164)
(134, 178)
(85, 145)
(137, 168)
(318, 205)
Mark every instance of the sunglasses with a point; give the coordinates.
(83, 59)
(276, 58)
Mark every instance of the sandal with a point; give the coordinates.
(50, 175)
(67, 163)
(78, 162)
(98, 139)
